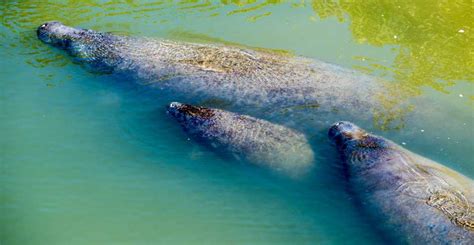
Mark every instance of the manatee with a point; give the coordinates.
(272, 86)
(253, 140)
(414, 199)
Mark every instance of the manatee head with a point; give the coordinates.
(189, 115)
(87, 46)
(359, 149)
(59, 35)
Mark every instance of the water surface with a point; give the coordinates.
(86, 159)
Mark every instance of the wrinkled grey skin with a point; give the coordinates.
(415, 199)
(294, 91)
(256, 141)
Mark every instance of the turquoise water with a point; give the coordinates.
(86, 159)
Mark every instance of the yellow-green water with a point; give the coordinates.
(84, 161)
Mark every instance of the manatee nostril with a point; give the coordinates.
(335, 129)
(174, 104)
(342, 132)
(49, 24)
(345, 126)
(44, 25)
(173, 108)
(42, 29)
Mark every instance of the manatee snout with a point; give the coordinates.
(341, 132)
(174, 109)
(57, 34)
(184, 111)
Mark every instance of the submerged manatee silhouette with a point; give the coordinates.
(415, 199)
(257, 141)
(295, 91)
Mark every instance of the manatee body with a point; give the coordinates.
(254, 140)
(413, 198)
(259, 83)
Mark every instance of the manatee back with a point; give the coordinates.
(421, 199)
(285, 89)
(258, 142)
(453, 193)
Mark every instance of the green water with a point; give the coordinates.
(87, 161)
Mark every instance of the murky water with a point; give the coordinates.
(86, 159)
